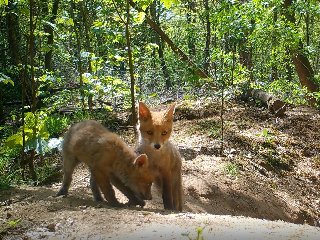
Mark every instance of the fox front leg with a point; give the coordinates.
(95, 189)
(167, 192)
(133, 200)
(105, 186)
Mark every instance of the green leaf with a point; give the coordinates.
(14, 223)
(65, 20)
(3, 2)
(168, 3)
(14, 140)
(5, 79)
(119, 58)
(265, 132)
(143, 3)
(140, 17)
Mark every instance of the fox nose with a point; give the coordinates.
(157, 146)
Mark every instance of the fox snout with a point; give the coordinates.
(157, 146)
(142, 196)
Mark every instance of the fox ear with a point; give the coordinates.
(144, 112)
(141, 161)
(170, 112)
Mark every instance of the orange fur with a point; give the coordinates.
(155, 129)
(110, 161)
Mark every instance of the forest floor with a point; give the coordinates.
(265, 186)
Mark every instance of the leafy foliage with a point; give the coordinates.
(79, 63)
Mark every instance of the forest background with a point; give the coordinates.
(63, 61)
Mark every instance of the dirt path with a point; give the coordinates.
(240, 196)
(78, 217)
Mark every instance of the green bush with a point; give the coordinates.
(9, 170)
(56, 125)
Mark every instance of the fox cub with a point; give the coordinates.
(154, 132)
(110, 160)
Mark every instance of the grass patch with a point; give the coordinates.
(47, 172)
(10, 224)
(316, 161)
(231, 169)
(272, 159)
(211, 127)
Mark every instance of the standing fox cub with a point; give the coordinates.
(109, 159)
(154, 132)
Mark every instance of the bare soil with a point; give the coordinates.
(264, 185)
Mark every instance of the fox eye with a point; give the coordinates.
(164, 133)
(149, 132)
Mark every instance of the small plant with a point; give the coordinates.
(267, 136)
(4, 180)
(272, 158)
(56, 125)
(316, 161)
(9, 225)
(199, 234)
(211, 127)
(231, 169)
(47, 172)
(35, 132)
(9, 171)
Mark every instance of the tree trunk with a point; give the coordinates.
(206, 54)
(174, 48)
(13, 35)
(77, 31)
(300, 61)
(246, 59)
(86, 24)
(13, 39)
(49, 31)
(274, 69)
(130, 62)
(33, 83)
(305, 72)
(85, 17)
(190, 21)
(155, 18)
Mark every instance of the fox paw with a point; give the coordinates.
(136, 202)
(62, 192)
(116, 204)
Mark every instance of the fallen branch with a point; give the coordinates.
(275, 105)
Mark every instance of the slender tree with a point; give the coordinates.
(77, 31)
(191, 20)
(48, 29)
(130, 62)
(155, 17)
(300, 60)
(206, 53)
(34, 88)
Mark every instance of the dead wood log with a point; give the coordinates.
(275, 105)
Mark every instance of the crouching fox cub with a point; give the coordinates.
(109, 159)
